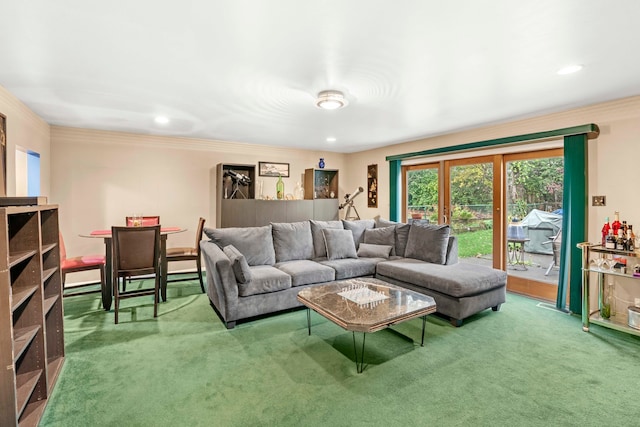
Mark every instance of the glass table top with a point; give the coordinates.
(366, 304)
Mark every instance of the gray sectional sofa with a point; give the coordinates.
(253, 271)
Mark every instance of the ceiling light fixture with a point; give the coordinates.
(570, 69)
(331, 100)
(331, 139)
(161, 120)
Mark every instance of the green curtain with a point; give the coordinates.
(574, 221)
(395, 181)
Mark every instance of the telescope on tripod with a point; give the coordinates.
(237, 180)
(348, 203)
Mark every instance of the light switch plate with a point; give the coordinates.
(598, 200)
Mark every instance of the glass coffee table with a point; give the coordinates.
(365, 305)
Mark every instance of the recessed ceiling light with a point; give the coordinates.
(331, 139)
(570, 69)
(331, 100)
(162, 120)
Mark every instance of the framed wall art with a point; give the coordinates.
(273, 169)
(372, 186)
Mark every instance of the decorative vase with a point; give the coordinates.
(298, 193)
(280, 188)
(260, 190)
(321, 163)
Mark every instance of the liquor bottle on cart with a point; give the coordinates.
(611, 241)
(605, 230)
(615, 225)
(621, 242)
(631, 244)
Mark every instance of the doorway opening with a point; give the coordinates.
(27, 172)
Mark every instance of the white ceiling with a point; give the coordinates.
(249, 71)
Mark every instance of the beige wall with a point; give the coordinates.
(27, 130)
(100, 177)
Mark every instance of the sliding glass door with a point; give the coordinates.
(534, 187)
(504, 209)
(471, 198)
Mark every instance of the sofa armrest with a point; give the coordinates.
(222, 287)
(452, 251)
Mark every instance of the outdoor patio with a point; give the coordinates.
(535, 266)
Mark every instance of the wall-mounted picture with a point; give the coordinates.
(372, 186)
(273, 169)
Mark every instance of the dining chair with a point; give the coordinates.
(80, 263)
(189, 254)
(136, 252)
(146, 220)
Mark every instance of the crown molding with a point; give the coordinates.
(69, 135)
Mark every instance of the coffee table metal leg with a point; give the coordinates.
(360, 360)
(424, 322)
(309, 320)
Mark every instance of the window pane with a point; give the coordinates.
(534, 215)
(472, 210)
(422, 194)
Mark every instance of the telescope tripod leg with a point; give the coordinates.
(348, 212)
(236, 191)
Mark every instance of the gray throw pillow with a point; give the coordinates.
(402, 237)
(402, 233)
(357, 227)
(255, 243)
(381, 222)
(292, 240)
(381, 236)
(319, 247)
(339, 244)
(428, 242)
(238, 264)
(368, 250)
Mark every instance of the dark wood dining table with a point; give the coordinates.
(107, 289)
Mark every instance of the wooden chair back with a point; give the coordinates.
(136, 252)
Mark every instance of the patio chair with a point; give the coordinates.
(555, 246)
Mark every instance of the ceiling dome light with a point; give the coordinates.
(331, 139)
(570, 69)
(161, 120)
(331, 100)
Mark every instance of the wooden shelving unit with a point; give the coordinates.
(252, 212)
(321, 183)
(31, 314)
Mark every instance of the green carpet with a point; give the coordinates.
(524, 365)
